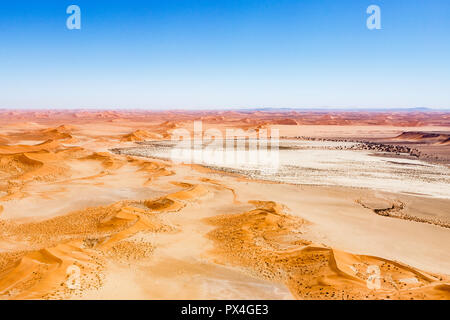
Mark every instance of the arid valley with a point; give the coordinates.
(93, 207)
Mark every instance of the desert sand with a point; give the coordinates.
(145, 228)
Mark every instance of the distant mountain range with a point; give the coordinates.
(327, 109)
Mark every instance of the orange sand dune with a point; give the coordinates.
(266, 241)
(149, 227)
(3, 140)
(93, 235)
(45, 162)
(151, 169)
(445, 142)
(47, 146)
(29, 166)
(106, 159)
(62, 132)
(176, 201)
(141, 135)
(39, 272)
(192, 192)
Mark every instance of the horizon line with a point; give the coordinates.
(241, 109)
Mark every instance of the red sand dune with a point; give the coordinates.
(423, 137)
(170, 119)
(446, 142)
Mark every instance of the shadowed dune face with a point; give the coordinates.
(159, 229)
(446, 142)
(424, 137)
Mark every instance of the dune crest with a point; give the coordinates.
(141, 135)
(92, 236)
(268, 243)
(417, 136)
(69, 197)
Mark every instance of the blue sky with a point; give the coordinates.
(224, 54)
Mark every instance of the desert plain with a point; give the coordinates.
(88, 211)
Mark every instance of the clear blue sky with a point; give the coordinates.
(224, 54)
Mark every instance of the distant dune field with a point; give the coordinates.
(86, 214)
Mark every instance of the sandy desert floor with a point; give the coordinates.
(78, 221)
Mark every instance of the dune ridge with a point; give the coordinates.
(141, 135)
(269, 244)
(151, 226)
(417, 136)
(87, 239)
